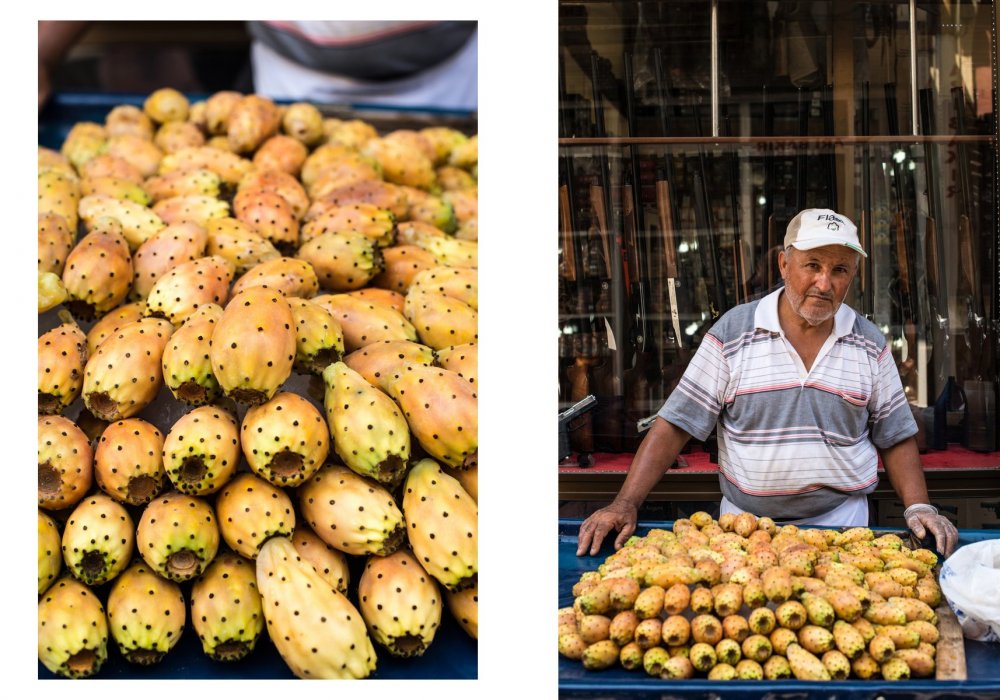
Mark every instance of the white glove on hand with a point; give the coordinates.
(921, 517)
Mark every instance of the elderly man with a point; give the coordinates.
(806, 398)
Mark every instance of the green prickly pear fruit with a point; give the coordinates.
(65, 462)
(369, 431)
(351, 513)
(463, 360)
(442, 524)
(98, 539)
(251, 121)
(376, 359)
(217, 109)
(49, 551)
(181, 183)
(383, 195)
(179, 292)
(239, 244)
(226, 608)
(229, 166)
(202, 450)
(459, 283)
(128, 119)
(187, 364)
(281, 153)
(173, 136)
(290, 276)
(146, 614)
(84, 141)
(279, 182)
(465, 154)
(447, 250)
(441, 321)
(319, 340)
(98, 271)
(166, 105)
(400, 603)
(329, 563)
(62, 355)
(365, 322)
(285, 440)
(250, 510)
(378, 225)
(253, 347)
(116, 188)
(343, 260)
(125, 374)
(55, 241)
(193, 208)
(402, 263)
(112, 321)
(464, 607)
(441, 410)
(316, 629)
(138, 223)
(72, 630)
(430, 209)
(128, 461)
(178, 535)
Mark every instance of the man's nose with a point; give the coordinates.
(822, 280)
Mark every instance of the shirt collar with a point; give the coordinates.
(766, 316)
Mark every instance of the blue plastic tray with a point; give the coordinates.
(982, 660)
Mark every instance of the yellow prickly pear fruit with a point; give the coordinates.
(777, 584)
(845, 604)
(343, 260)
(594, 628)
(202, 450)
(402, 263)
(62, 355)
(728, 651)
(226, 608)
(180, 292)
(837, 664)
(116, 188)
(229, 166)
(677, 667)
(55, 241)
(251, 121)
(757, 647)
(927, 631)
(895, 669)
(173, 136)
(378, 225)
(440, 320)
(728, 599)
(676, 631)
(187, 364)
(166, 105)
(902, 637)
(622, 629)
(722, 672)
(452, 179)
(886, 614)
(146, 614)
(706, 628)
(702, 601)
(281, 153)
(128, 119)
(921, 664)
(630, 656)
(649, 602)
(848, 639)
(596, 600)
(365, 322)
(727, 521)
(316, 629)
(98, 271)
(49, 551)
(143, 155)
(745, 524)
(928, 591)
(250, 510)
(702, 657)
(178, 535)
(284, 440)
(84, 141)
(72, 630)
(762, 621)
(571, 645)
(777, 668)
(375, 360)
(329, 563)
(464, 607)
(193, 208)
(303, 122)
(915, 609)
(818, 609)
(816, 639)
(649, 632)
(749, 670)
(402, 163)
(676, 599)
(429, 209)
(753, 593)
(654, 660)
(735, 627)
(137, 222)
(182, 183)
(65, 462)
(217, 109)
(881, 647)
(623, 592)
(238, 243)
(780, 639)
(806, 666)
(864, 666)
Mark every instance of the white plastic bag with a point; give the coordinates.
(970, 580)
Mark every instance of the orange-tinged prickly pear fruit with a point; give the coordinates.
(440, 320)
(49, 551)
(72, 630)
(735, 627)
(178, 535)
(816, 639)
(165, 250)
(402, 263)
(166, 105)
(649, 632)
(343, 260)
(780, 638)
(65, 462)
(226, 608)
(128, 119)
(281, 153)
(378, 225)
(202, 450)
(128, 461)
(622, 629)
(251, 121)
(55, 241)
(98, 271)
(187, 364)
(180, 292)
(251, 510)
(62, 355)
(364, 322)
(98, 539)
(895, 669)
(229, 166)
(330, 563)
(146, 614)
(238, 243)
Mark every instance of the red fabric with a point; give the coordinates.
(697, 462)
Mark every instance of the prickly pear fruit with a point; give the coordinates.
(304, 122)
(138, 223)
(116, 188)
(202, 450)
(453, 179)
(282, 153)
(49, 551)
(402, 163)
(285, 440)
(229, 166)
(328, 156)
(441, 321)
(270, 216)
(316, 629)
(351, 513)
(181, 183)
(369, 431)
(146, 614)
(805, 666)
(402, 263)
(365, 322)
(319, 340)
(251, 121)
(250, 510)
(98, 271)
(253, 347)
(178, 535)
(400, 602)
(374, 360)
(895, 669)
(238, 243)
(456, 282)
(72, 630)
(443, 525)
(464, 607)
(112, 321)
(386, 297)
(279, 182)
(378, 225)
(290, 276)
(187, 364)
(98, 539)
(128, 461)
(49, 159)
(217, 109)
(51, 291)
(447, 251)
(113, 166)
(329, 563)
(430, 209)
(65, 462)
(84, 141)
(124, 375)
(62, 355)
(166, 105)
(184, 288)
(192, 208)
(383, 195)
(343, 260)
(441, 410)
(55, 241)
(226, 608)
(128, 119)
(59, 195)
(173, 136)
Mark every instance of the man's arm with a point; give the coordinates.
(657, 451)
(902, 465)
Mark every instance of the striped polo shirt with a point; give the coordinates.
(792, 443)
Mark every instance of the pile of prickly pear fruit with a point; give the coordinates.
(256, 372)
(742, 598)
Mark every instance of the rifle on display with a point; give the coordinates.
(908, 370)
(703, 222)
(867, 239)
(765, 276)
(741, 275)
(801, 163)
(831, 159)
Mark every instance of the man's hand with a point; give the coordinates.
(619, 516)
(921, 518)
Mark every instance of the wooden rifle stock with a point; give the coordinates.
(570, 262)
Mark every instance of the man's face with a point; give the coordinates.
(817, 280)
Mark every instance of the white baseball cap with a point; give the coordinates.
(812, 228)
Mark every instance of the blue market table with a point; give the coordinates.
(982, 660)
